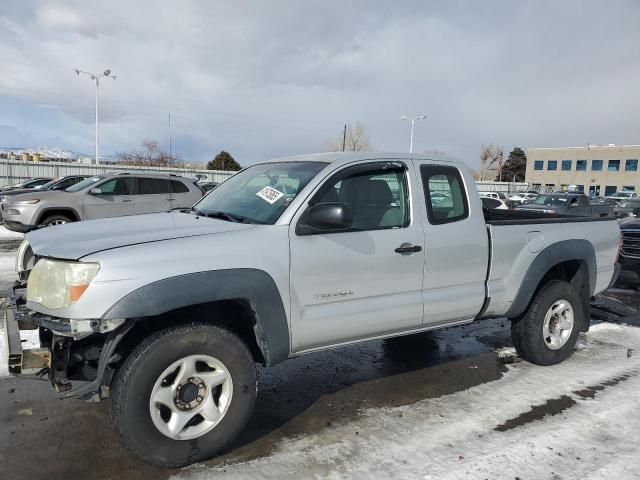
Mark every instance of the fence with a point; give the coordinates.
(14, 171)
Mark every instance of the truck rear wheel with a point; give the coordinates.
(547, 332)
(184, 394)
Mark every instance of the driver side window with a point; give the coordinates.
(377, 197)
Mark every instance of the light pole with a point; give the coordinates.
(413, 121)
(96, 79)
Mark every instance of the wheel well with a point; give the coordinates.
(571, 271)
(576, 273)
(58, 211)
(235, 315)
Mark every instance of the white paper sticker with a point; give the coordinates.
(270, 195)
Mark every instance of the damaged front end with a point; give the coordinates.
(74, 355)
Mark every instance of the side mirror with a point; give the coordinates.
(325, 218)
(95, 191)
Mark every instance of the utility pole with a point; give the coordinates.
(96, 79)
(413, 121)
(170, 141)
(344, 136)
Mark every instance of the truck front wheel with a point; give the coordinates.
(547, 332)
(183, 394)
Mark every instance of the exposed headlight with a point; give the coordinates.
(26, 202)
(58, 284)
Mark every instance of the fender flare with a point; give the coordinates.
(251, 285)
(566, 250)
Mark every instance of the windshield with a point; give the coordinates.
(259, 194)
(557, 200)
(86, 183)
(45, 186)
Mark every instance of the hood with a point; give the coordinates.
(629, 223)
(76, 240)
(20, 191)
(33, 194)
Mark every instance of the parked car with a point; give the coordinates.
(629, 257)
(567, 204)
(627, 208)
(496, 195)
(27, 184)
(494, 203)
(101, 196)
(207, 186)
(522, 197)
(60, 183)
(168, 314)
(623, 195)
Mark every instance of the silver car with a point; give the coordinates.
(100, 196)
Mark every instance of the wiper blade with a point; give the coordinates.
(229, 217)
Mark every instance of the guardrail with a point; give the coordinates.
(14, 171)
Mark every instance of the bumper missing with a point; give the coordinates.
(30, 362)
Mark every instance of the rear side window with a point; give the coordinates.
(445, 195)
(152, 186)
(178, 187)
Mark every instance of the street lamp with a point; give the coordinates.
(96, 79)
(413, 121)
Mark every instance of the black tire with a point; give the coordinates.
(134, 381)
(56, 219)
(526, 331)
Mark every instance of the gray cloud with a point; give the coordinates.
(263, 79)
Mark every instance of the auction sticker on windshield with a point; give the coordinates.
(269, 194)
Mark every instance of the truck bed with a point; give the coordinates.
(528, 217)
(518, 237)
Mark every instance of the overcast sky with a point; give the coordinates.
(265, 79)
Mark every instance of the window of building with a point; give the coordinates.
(580, 188)
(610, 190)
(552, 165)
(566, 165)
(629, 188)
(596, 165)
(581, 165)
(613, 166)
(564, 187)
(538, 165)
(631, 165)
(536, 187)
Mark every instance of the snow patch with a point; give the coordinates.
(455, 436)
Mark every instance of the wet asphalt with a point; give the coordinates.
(43, 437)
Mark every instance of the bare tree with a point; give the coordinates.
(355, 140)
(489, 157)
(150, 156)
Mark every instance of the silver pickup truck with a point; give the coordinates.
(168, 314)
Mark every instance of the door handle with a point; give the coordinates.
(408, 249)
(125, 200)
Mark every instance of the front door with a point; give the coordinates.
(112, 198)
(359, 283)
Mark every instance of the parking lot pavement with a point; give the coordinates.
(442, 405)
